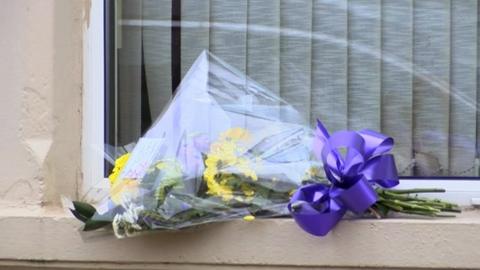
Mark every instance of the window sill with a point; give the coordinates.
(51, 238)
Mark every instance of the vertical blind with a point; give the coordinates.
(407, 68)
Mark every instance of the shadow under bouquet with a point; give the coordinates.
(227, 148)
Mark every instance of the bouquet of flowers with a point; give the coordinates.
(227, 148)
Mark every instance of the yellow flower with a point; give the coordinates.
(247, 190)
(312, 172)
(125, 186)
(217, 189)
(212, 161)
(119, 187)
(226, 152)
(119, 165)
(236, 134)
(249, 218)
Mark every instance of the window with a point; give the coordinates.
(406, 68)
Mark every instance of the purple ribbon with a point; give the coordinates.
(354, 161)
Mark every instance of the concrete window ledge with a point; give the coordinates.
(51, 238)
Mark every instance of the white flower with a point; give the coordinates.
(125, 224)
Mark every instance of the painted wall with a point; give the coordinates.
(40, 99)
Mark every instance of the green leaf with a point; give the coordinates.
(167, 185)
(80, 217)
(84, 209)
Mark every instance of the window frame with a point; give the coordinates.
(99, 104)
(95, 83)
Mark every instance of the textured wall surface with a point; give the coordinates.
(40, 99)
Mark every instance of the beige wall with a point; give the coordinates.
(41, 90)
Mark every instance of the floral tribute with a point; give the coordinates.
(227, 148)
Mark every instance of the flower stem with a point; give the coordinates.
(407, 201)
(417, 190)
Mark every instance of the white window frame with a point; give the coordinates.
(93, 186)
(463, 192)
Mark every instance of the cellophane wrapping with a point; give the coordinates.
(224, 148)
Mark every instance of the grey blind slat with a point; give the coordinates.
(263, 43)
(364, 64)
(431, 85)
(295, 53)
(410, 68)
(329, 63)
(129, 64)
(463, 87)
(478, 94)
(195, 31)
(228, 38)
(157, 17)
(396, 78)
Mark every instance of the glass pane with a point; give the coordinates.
(405, 68)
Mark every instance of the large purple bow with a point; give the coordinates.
(353, 161)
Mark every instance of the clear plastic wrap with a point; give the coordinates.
(224, 148)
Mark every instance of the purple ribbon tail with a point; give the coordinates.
(382, 171)
(314, 210)
(313, 222)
